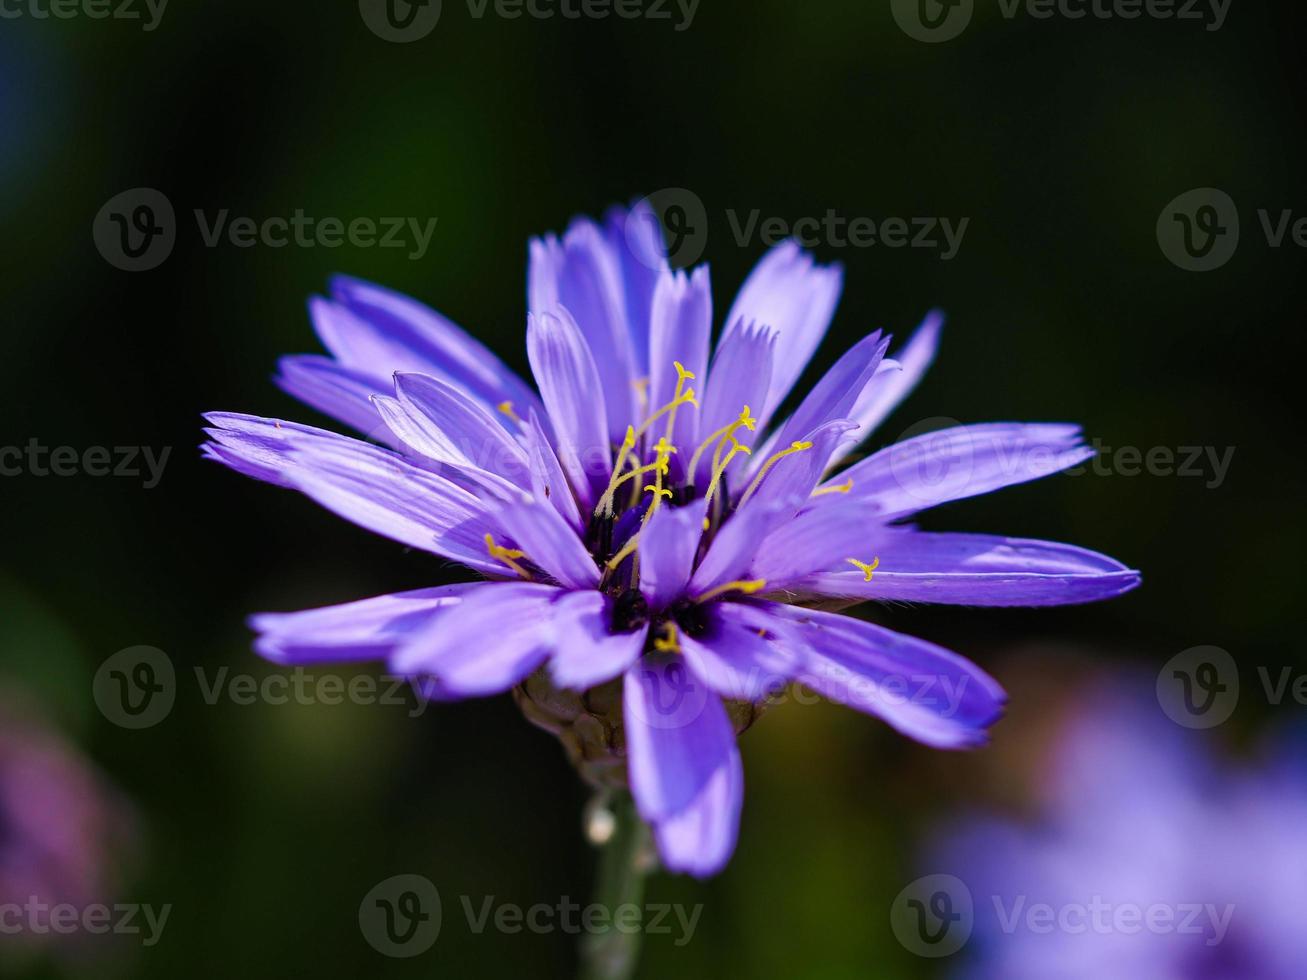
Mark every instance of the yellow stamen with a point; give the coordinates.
(508, 556)
(658, 467)
(720, 468)
(866, 568)
(627, 549)
(670, 643)
(724, 433)
(605, 502)
(682, 376)
(747, 586)
(844, 487)
(795, 447)
(605, 505)
(507, 409)
(664, 450)
(682, 399)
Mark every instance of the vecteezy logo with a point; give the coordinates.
(400, 21)
(673, 216)
(401, 916)
(136, 230)
(136, 687)
(933, 461)
(1199, 230)
(932, 21)
(1199, 688)
(933, 916)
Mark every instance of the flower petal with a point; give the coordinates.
(391, 332)
(961, 462)
(792, 478)
(789, 292)
(740, 656)
(582, 274)
(343, 393)
(439, 422)
(701, 838)
(926, 692)
(636, 236)
(549, 542)
(368, 629)
(588, 652)
(680, 328)
(565, 370)
(732, 550)
(834, 395)
(820, 539)
(548, 481)
(978, 570)
(496, 636)
(384, 493)
(740, 374)
(677, 736)
(887, 389)
(667, 549)
(255, 446)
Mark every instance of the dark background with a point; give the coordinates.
(1062, 141)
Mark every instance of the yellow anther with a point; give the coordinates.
(659, 491)
(867, 569)
(723, 434)
(747, 586)
(606, 501)
(508, 556)
(772, 460)
(844, 487)
(507, 409)
(664, 448)
(669, 642)
(682, 376)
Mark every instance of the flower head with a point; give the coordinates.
(64, 831)
(1147, 857)
(647, 514)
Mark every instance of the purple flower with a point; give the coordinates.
(648, 515)
(63, 831)
(1146, 858)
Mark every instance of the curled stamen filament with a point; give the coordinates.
(682, 376)
(669, 642)
(719, 468)
(747, 586)
(867, 569)
(664, 450)
(605, 505)
(844, 487)
(687, 398)
(772, 460)
(508, 556)
(724, 433)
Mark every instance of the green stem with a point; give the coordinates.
(611, 953)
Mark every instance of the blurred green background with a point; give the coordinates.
(1061, 141)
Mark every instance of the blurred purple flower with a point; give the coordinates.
(1157, 861)
(63, 831)
(628, 530)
